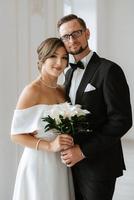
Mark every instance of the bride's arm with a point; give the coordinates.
(61, 142)
(28, 140)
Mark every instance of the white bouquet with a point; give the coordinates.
(65, 118)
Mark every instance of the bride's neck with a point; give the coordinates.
(49, 82)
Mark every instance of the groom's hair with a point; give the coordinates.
(70, 17)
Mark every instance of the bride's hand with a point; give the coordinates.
(61, 142)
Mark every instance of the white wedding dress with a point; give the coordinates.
(41, 175)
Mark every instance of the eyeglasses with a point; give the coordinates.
(74, 34)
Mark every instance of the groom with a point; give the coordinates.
(101, 87)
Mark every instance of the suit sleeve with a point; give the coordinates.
(118, 114)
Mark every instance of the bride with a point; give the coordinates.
(41, 175)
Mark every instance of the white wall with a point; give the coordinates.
(8, 70)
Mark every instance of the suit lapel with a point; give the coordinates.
(87, 77)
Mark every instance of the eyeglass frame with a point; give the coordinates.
(66, 37)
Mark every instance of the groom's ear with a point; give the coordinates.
(87, 33)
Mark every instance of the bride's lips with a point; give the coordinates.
(57, 69)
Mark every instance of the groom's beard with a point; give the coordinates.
(80, 50)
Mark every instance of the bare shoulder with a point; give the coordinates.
(28, 97)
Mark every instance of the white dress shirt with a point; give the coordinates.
(77, 76)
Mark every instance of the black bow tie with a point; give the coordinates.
(79, 64)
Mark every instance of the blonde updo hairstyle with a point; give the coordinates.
(47, 48)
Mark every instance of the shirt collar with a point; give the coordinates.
(85, 60)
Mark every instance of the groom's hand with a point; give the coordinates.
(72, 155)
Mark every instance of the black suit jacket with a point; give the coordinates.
(110, 119)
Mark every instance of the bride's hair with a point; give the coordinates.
(47, 48)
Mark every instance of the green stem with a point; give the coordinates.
(72, 128)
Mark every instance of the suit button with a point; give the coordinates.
(89, 130)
